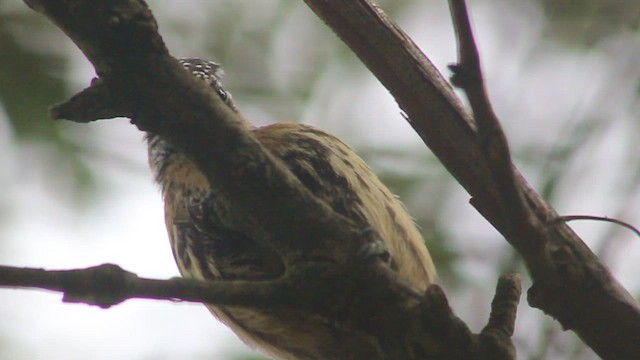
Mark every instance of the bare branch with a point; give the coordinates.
(409, 323)
(108, 285)
(493, 142)
(569, 280)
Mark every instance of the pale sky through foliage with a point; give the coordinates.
(546, 94)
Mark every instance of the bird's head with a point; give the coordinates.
(211, 73)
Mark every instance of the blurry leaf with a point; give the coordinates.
(31, 80)
(584, 22)
(29, 85)
(442, 253)
(558, 162)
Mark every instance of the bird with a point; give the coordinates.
(333, 172)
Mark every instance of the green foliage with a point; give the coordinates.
(30, 81)
(32, 78)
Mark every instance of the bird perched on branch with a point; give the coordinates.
(334, 173)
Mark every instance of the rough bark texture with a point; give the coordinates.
(139, 79)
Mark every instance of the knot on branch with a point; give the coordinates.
(103, 285)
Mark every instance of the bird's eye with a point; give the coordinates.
(223, 94)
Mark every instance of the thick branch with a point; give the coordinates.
(569, 281)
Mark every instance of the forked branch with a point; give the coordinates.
(570, 283)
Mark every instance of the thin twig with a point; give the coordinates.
(567, 218)
(468, 76)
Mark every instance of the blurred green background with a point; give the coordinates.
(563, 75)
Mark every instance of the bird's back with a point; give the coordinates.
(332, 171)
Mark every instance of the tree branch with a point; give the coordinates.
(492, 140)
(570, 283)
(425, 325)
(108, 285)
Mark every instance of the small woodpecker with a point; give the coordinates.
(334, 173)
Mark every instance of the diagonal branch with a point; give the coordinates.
(467, 74)
(567, 262)
(570, 283)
